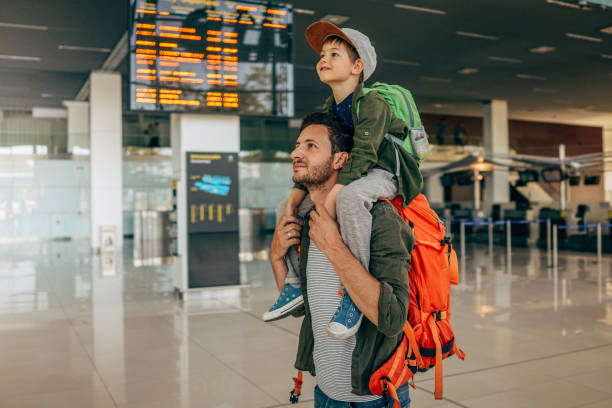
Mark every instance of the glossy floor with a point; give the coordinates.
(74, 334)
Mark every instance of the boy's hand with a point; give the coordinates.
(286, 234)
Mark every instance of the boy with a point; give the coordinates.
(376, 167)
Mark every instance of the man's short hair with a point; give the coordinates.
(351, 51)
(340, 137)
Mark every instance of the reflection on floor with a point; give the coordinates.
(75, 334)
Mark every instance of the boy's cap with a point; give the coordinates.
(316, 33)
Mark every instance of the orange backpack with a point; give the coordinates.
(428, 335)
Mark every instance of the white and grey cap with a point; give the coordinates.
(316, 33)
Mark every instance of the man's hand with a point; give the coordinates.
(324, 230)
(286, 234)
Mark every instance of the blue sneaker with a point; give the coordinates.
(289, 299)
(346, 320)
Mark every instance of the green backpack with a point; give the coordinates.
(403, 107)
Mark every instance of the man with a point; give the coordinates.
(343, 367)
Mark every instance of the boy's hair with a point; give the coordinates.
(340, 138)
(352, 52)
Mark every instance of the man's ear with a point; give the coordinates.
(357, 67)
(339, 160)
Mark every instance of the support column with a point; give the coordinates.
(106, 156)
(607, 148)
(78, 124)
(206, 134)
(496, 141)
(433, 189)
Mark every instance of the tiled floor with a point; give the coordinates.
(73, 336)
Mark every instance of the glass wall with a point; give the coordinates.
(44, 190)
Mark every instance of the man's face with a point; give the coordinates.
(334, 64)
(312, 157)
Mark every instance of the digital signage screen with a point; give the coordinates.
(211, 56)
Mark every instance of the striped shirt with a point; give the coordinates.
(332, 357)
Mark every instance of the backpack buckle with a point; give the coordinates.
(385, 392)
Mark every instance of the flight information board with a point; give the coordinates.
(211, 56)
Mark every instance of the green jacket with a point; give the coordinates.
(390, 250)
(373, 120)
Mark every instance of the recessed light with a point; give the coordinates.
(476, 35)
(535, 77)
(335, 19)
(46, 95)
(19, 58)
(468, 71)
(398, 62)
(564, 4)
(422, 9)
(434, 79)
(606, 56)
(24, 26)
(545, 90)
(543, 49)
(504, 59)
(583, 37)
(303, 11)
(79, 48)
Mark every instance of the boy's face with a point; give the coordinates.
(335, 64)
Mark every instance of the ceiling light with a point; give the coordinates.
(504, 59)
(536, 77)
(416, 8)
(398, 62)
(564, 4)
(303, 11)
(19, 58)
(468, 71)
(435, 79)
(79, 48)
(543, 49)
(583, 37)
(606, 56)
(335, 19)
(24, 26)
(476, 35)
(46, 95)
(545, 90)
(607, 30)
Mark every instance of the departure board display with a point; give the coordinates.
(211, 56)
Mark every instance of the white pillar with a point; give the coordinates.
(195, 133)
(78, 124)
(607, 147)
(106, 156)
(433, 189)
(496, 140)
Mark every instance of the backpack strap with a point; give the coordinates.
(435, 335)
(297, 389)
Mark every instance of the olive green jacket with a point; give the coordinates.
(373, 119)
(390, 250)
